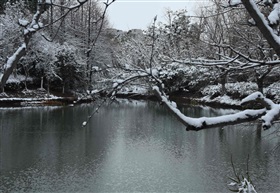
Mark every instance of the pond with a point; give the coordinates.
(129, 146)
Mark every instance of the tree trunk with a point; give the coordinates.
(63, 88)
(21, 51)
(260, 78)
(260, 84)
(223, 82)
(62, 11)
(48, 89)
(51, 19)
(42, 82)
(12, 63)
(89, 70)
(26, 76)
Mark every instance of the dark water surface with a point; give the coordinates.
(129, 147)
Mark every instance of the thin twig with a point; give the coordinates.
(234, 171)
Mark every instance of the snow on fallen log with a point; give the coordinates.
(197, 124)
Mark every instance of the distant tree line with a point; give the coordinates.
(29, 4)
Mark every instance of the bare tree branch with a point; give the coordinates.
(262, 24)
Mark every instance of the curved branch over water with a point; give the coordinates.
(267, 114)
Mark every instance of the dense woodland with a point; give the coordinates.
(69, 47)
(56, 57)
(77, 51)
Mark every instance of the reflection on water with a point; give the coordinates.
(128, 147)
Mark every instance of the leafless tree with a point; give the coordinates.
(36, 24)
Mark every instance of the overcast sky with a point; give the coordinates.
(138, 14)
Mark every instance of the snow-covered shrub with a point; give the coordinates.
(178, 76)
(139, 89)
(57, 63)
(15, 81)
(172, 76)
(243, 88)
(68, 74)
(238, 89)
(211, 90)
(273, 91)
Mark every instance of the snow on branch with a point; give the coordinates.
(11, 63)
(11, 59)
(268, 114)
(273, 17)
(273, 110)
(262, 24)
(228, 63)
(118, 84)
(234, 2)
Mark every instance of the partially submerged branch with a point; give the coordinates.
(268, 114)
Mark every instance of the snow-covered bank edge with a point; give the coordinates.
(219, 102)
(40, 98)
(51, 101)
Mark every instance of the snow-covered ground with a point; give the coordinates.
(137, 89)
(241, 89)
(16, 79)
(221, 99)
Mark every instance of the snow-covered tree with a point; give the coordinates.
(57, 64)
(10, 28)
(39, 21)
(242, 61)
(231, 55)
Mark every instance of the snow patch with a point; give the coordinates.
(274, 14)
(115, 85)
(221, 99)
(252, 97)
(23, 22)
(234, 2)
(16, 79)
(155, 72)
(243, 88)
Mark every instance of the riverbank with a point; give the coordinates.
(218, 102)
(38, 97)
(41, 97)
